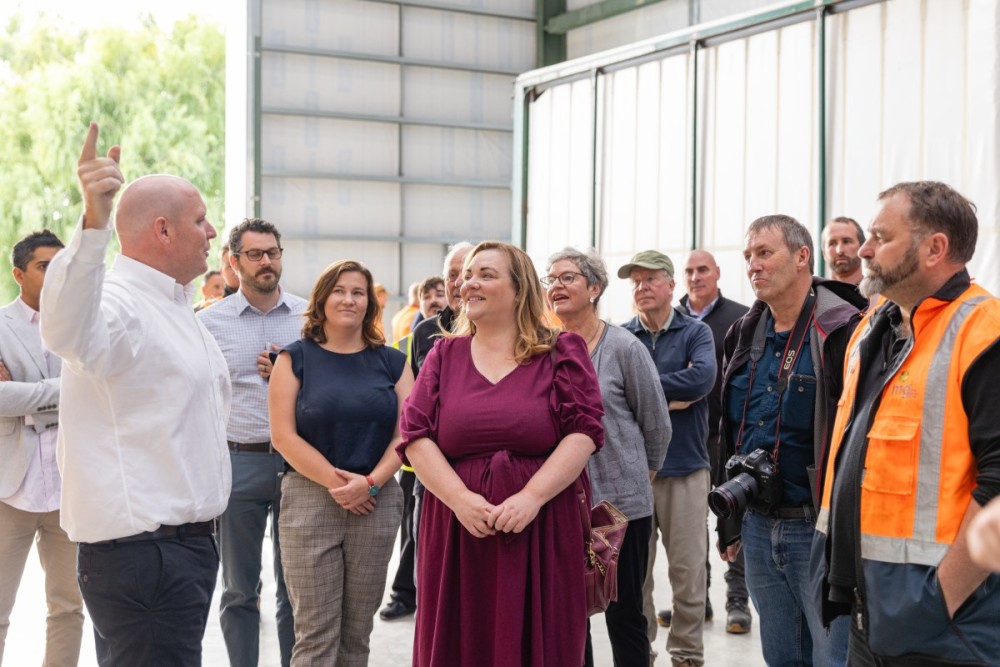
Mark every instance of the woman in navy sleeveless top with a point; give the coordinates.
(334, 403)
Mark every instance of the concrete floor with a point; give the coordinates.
(391, 642)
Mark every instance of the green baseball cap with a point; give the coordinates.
(647, 259)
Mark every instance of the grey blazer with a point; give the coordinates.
(32, 390)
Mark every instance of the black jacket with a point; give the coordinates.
(425, 334)
(719, 320)
(838, 311)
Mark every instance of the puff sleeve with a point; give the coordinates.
(575, 398)
(421, 409)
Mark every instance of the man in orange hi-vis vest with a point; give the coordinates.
(915, 452)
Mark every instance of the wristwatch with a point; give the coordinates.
(373, 488)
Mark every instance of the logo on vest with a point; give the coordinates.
(902, 387)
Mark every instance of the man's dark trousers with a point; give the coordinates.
(403, 588)
(149, 600)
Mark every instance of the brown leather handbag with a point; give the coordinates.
(603, 533)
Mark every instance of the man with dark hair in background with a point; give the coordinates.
(842, 238)
(258, 319)
(29, 478)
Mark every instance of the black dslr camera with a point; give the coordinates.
(752, 481)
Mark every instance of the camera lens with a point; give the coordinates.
(733, 496)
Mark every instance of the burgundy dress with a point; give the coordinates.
(510, 599)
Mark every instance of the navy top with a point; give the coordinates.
(684, 356)
(346, 407)
(798, 400)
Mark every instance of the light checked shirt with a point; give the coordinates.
(243, 332)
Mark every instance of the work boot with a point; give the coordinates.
(738, 618)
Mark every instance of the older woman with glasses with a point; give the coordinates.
(501, 422)
(636, 434)
(334, 401)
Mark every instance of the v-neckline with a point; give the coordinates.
(472, 360)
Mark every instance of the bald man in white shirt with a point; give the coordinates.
(145, 398)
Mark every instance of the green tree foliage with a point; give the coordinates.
(158, 93)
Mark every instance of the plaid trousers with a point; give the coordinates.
(335, 567)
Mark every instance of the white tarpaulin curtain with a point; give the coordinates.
(911, 93)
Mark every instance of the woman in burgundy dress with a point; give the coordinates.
(500, 424)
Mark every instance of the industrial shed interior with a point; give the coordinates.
(385, 131)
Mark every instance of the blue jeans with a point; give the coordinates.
(256, 494)
(776, 553)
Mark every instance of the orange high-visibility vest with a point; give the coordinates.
(919, 468)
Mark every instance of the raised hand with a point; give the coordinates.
(100, 179)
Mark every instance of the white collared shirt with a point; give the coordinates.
(145, 396)
(39, 490)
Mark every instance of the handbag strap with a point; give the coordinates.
(581, 495)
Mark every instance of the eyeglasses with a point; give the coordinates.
(565, 278)
(257, 255)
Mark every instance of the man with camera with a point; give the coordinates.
(781, 383)
(915, 452)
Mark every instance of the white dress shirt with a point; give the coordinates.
(39, 492)
(145, 396)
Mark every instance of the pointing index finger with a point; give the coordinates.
(89, 151)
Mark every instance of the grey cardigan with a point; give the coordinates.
(636, 423)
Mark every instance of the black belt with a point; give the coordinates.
(259, 447)
(803, 512)
(167, 533)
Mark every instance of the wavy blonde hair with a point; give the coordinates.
(534, 335)
(315, 317)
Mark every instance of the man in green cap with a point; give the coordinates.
(683, 351)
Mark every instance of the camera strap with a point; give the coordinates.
(796, 339)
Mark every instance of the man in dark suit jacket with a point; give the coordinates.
(705, 302)
(29, 478)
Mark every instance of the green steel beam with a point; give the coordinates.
(822, 134)
(562, 23)
(595, 135)
(519, 182)
(551, 47)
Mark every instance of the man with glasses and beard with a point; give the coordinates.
(258, 319)
(915, 451)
